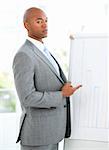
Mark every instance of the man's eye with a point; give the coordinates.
(39, 21)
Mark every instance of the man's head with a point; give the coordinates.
(35, 21)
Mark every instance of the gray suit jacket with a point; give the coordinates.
(38, 85)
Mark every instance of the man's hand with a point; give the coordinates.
(68, 89)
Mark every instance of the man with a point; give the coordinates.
(42, 89)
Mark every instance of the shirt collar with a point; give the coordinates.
(37, 43)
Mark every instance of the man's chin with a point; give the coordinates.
(44, 36)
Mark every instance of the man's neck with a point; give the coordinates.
(35, 38)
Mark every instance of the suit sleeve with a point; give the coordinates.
(23, 69)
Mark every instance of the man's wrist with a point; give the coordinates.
(63, 94)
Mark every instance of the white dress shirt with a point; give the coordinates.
(45, 51)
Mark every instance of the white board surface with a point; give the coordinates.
(89, 105)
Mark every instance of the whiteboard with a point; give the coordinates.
(89, 105)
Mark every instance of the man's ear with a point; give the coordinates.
(26, 25)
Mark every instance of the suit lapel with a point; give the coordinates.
(60, 70)
(43, 57)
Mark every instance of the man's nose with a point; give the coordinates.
(44, 25)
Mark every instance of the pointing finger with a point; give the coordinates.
(77, 87)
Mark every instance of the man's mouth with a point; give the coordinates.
(45, 31)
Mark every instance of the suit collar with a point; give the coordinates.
(43, 57)
(37, 43)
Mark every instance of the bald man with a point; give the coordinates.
(42, 89)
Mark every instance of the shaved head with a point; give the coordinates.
(29, 13)
(35, 21)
